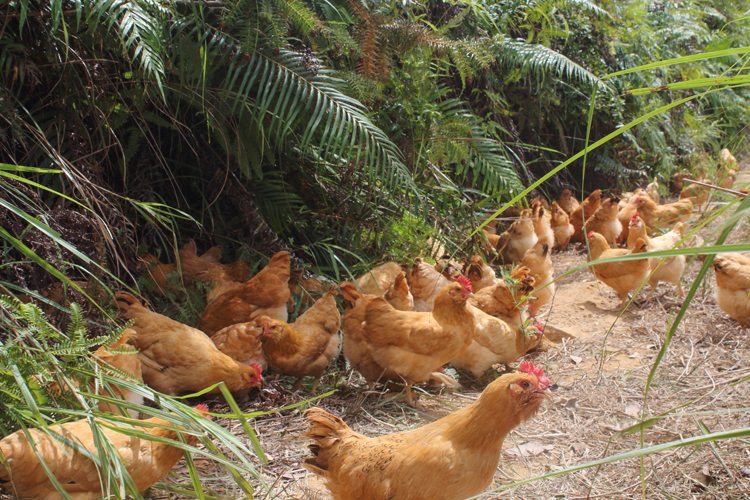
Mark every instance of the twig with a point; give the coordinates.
(719, 188)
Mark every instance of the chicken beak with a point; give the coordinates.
(546, 393)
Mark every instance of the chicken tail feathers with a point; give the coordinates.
(189, 250)
(350, 292)
(213, 254)
(125, 301)
(311, 464)
(324, 430)
(520, 272)
(400, 282)
(279, 265)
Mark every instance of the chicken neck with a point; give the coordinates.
(485, 424)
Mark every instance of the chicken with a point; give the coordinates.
(178, 359)
(590, 205)
(129, 363)
(663, 216)
(492, 221)
(304, 291)
(205, 268)
(239, 270)
(506, 299)
(265, 294)
(733, 286)
(242, 343)
(491, 225)
(356, 349)
(561, 227)
(452, 458)
(448, 268)
(737, 258)
(379, 279)
(398, 294)
(542, 222)
(669, 269)
(568, 202)
(425, 284)
(480, 274)
(488, 241)
(627, 211)
(604, 221)
(541, 199)
(220, 289)
(388, 280)
(513, 243)
(623, 277)
(23, 475)
(652, 189)
(697, 194)
(676, 183)
(213, 254)
(158, 274)
(307, 346)
(208, 269)
(726, 179)
(539, 260)
(727, 161)
(415, 345)
(495, 341)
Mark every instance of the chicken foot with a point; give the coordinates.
(434, 377)
(298, 384)
(409, 394)
(678, 289)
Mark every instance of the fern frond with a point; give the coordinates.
(274, 24)
(587, 5)
(603, 163)
(285, 91)
(300, 16)
(471, 56)
(540, 59)
(140, 32)
(367, 34)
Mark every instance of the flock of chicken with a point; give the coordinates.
(400, 323)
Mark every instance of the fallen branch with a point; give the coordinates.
(719, 188)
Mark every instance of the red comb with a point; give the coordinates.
(633, 217)
(528, 367)
(203, 410)
(258, 369)
(538, 326)
(464, 282)
(590, 233)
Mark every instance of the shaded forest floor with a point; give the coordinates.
(598, 369)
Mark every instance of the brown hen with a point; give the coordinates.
(453, 458)
(146, 461)
(265, 294)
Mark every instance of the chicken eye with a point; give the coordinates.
(525, 384)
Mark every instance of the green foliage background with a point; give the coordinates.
(318, 125)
